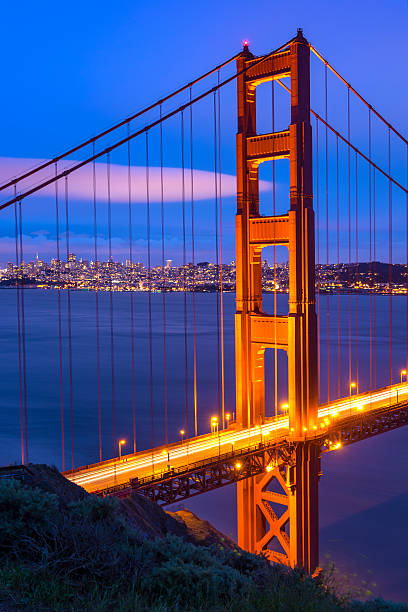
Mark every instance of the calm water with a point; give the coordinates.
(364, 490)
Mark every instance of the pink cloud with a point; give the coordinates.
(81, 181)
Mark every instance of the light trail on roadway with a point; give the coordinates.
(147, 463)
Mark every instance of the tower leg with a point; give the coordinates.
(278, 511)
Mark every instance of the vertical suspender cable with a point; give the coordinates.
(111, 266)
(390, 250)
(193, 279)
(217, 259)
(220, 269)
(166, 431)
(375, 297)
(327, 236)
(370, 249)
(149, 281)
(349, 232)
(357, 273)
(338, 268)
(318, 258)
(183, 198)
(23, 336)
(406, 271)
(131, 288)
(60, 373)
(71, 399)
(96, 273)
(274, 264)
(20, 369)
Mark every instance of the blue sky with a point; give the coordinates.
(72, 70)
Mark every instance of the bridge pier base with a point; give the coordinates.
(278, 510)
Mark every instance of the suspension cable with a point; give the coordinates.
(166, 431)
(194, 279)
(375, 297)
(112, 336)
(347, 142)
(23, 334)
(338, 269)
(126, 121)
(183, 201)
(327, 237)
(318, 257)
(20, 369)
(326, 63)
(149, 282)
(274, 266)
(357, 268)
(217, 260)
(406, 361)
(132, 310)
(98, 348)
(61, 380)
(390, 250)
(221, 264)
(71, 400)
(349, 234)
(142, 130)
(370, 250)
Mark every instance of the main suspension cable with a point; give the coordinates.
(142, 130)
(326, 63)
(126, 121)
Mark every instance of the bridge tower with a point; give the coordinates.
(278, 511)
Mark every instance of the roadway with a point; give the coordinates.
(154, 461)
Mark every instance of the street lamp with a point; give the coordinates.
(214, 424)
(182, 432)
(166, 452)
(404, 373)
(227, 418)
(285, 408)
(121, 442)
(353, 385)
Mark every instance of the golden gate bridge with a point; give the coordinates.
(272, 454)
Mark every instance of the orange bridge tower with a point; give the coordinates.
(277, 511)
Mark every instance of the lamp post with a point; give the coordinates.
(121, 442)
(404, 373)
(182, 432)
(214, 424)
(285, 408)
(353, 385)
(166, 452)
(227, 418)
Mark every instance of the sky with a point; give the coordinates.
(71, 71)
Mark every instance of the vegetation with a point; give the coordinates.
(84, 555)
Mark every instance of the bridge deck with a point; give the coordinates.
(209, 447)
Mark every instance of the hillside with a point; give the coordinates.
(63, 549)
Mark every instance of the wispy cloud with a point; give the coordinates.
(80, 182)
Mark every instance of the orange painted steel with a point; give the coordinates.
(291, 537)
